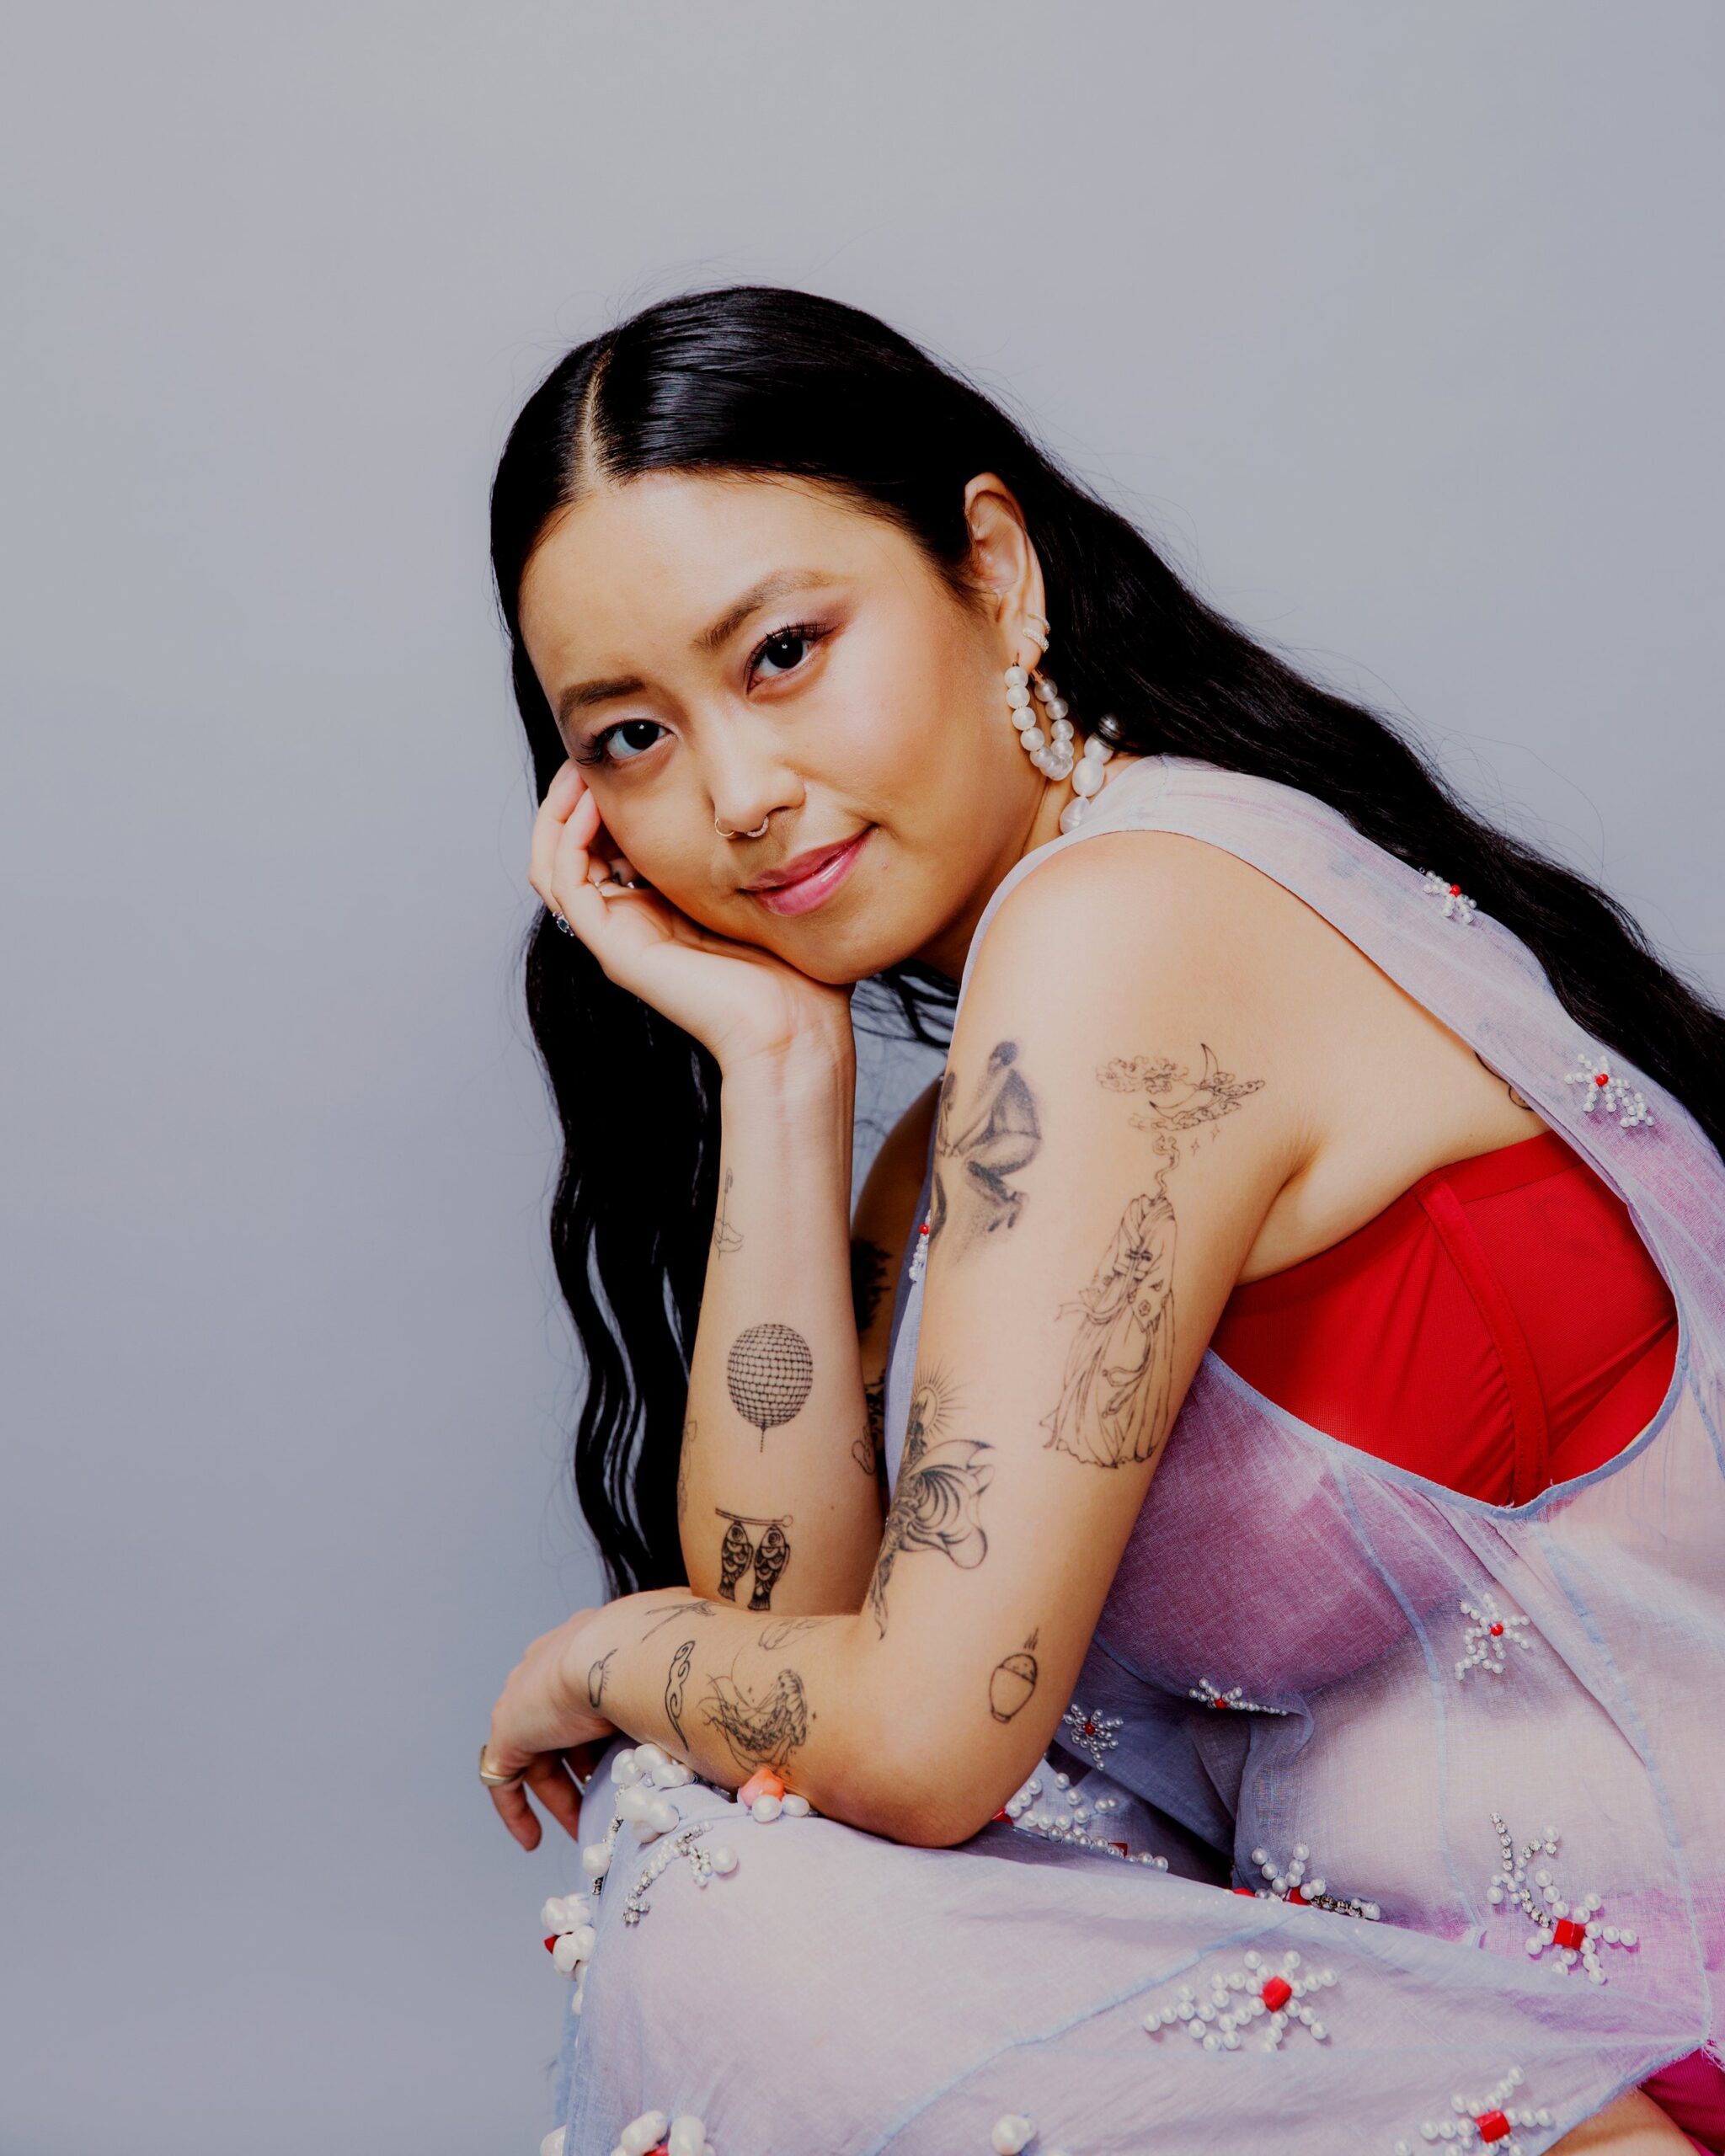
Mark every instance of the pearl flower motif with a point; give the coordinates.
(1072, 1827)
(1089, 1731)
(1487, 2125)
(1288, 1883)
(1241, 1996)
(639, 1777)
(1457, 906)
(1489, 1631)
(1570, 1931)
(1594, 1075)
(1211, 1696)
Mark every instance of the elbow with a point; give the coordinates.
(923, 1799)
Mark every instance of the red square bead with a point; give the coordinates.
(1277, 1992)
(1493, 2126)
(1566, 1932)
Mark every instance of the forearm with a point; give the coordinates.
(778, 1502)
(729, 1692)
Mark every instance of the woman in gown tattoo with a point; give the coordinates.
(1226, 983)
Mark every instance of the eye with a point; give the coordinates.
(598, 749)
(780, 641)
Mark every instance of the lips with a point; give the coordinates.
(800, 866)
(822, 870)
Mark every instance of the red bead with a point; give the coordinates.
(1454, 891)
(1493, 2126)
(1600, 1078)
(1277, 1992)
(1294, 1895)
(1246, 1891)
(550, 1945)
(1497, 1631)
(1220, 1703)
(1567, 1932)
(1125, 1847)
(1090, 1729)
(1003, 1814)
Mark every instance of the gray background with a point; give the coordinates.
(1400, 326)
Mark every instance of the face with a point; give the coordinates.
(861, 703)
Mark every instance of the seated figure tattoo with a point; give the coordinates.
(1001, 1138)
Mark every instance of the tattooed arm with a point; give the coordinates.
(775, 1509)
(886, 1211)
(1117, 1120)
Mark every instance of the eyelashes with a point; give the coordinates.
(598, 749)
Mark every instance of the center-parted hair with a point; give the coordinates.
(763, 381)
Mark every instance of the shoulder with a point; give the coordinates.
(1131, 918)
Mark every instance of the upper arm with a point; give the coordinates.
(1122, 1103)
(884, 1211)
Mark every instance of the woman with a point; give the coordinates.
(1262, 1047)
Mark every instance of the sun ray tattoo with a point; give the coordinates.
(940, 1482)
(1001, 1136)
(1116, 1399)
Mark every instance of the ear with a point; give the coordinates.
(1002, 559)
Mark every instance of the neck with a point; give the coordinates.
(947, 950)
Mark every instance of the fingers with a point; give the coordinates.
(549, 1780)
(517, 1815)
(562, 830)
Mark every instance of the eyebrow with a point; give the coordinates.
(583, 696)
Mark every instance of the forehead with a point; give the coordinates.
(655, 560)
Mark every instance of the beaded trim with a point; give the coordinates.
(1211, 1696)
(1239, 1998)
(1288, 1883)
(1594, 1075)
(1489, 1631)
(1487, 2125)
(1457, 906)
(1556, 1925)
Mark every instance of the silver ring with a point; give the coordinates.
(759, 831)
(563, 924)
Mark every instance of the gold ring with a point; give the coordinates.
(490, 1776)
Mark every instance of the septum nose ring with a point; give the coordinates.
(759, 831)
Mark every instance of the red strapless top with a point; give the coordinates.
(1498, 1328)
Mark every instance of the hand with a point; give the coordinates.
(542, 1719)
(741, 1002)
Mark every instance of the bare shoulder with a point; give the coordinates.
(1187, 943)
(1148, 906)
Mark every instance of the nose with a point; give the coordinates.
(747, 789)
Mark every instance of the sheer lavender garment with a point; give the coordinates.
(1299, 1649)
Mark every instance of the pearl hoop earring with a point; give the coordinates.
(1052, 752)
(759, 831)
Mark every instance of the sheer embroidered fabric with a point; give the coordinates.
(1311, 1665)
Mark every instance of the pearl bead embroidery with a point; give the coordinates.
(654, 2134)
(1557, 1923)
(1487, 2125)
(1211, 1697)
(1457, 906)
(1090, 1732)
(1288, 1883)
(1488, 1633)
(1239, 1998)
(1072, 1830)
(1594, 1075)
(1013, 2130)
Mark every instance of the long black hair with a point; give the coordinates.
(765, 380)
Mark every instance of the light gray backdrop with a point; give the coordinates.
(1399, 325)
